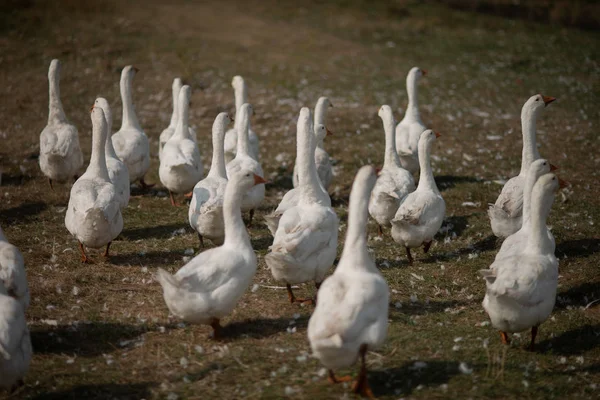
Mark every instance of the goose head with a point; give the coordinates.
(54, 68)
(385, 112)
(541, 167)
(321, 131)
(428, 136)
(537, 103)
(245, 179)
(103, 104)
(129, 71)
(416, 73)
(237, 82)
(222, 120)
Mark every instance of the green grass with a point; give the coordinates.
(113, 339)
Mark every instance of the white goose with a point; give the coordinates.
(291, 198)
(244, 161)
(206, 209)
(506, 214)
(394, 182)
(421, 212)
(181, 165)
(130, 142)
(521, 289)
(117, 169)
(304, 246)
(60, 154)
(15, 342)
(322, 159)
(231, 137)
(517, 240)
(351, 316)
(94, 214)
(170, 130)
(208, 287)
(12, 272)
(410, 128)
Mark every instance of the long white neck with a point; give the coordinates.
(130, 119)
(55, 108)
(109, 149)
(97, 167)
(241, 96)
(412, 109)
(391, 158)
(541, 203)
(530, 152)
(355, 247)
(182, 130)
(321, 116)
(217, 167)
(243, 126)
(426, 181)
(175, 91)
(235, 230)
(308, 178)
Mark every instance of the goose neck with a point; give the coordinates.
(243, 128)
(426, 180)
(182, 131)
(130, 119)
(412, 109)
(390, 158)
(541, 204)
(308, 177)
(241, 96)
(530, 152)
(97, 167)
(175, 93)
(217, 166)
(55, 108)
(235, 230)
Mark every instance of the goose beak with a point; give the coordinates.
(424, 72)
(548, 100)
(330, 105)
(329, 133)
(231, 119)
(259, 179)
(135, 69)
(377, 171)
(437, 134)
(553, 167)
(92, 108)
(562, 184)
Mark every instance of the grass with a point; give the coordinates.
(102, 330)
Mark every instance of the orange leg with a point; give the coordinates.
(293, 298)
(146, 185)
(251, 216)
(504, 337)
(188, 195)
(106, 251)
(534, 331)
(217, 329)
(173, 202)
(84, 258)
(380, 230)
(361, 386)
(333, 379)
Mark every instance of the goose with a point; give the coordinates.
(421, 213)
(351, 316)
(394, 182)
(117, 169)
(231, 137)
(170, 130)
(15, 342)
(60, 153)
(12, 272)
(94, 213)
(181, 165)
(506, 214)
(408, 131)
(304, 246)
(517, 240)
(130, 142)
(291, 198)
(206, 208)
(521, 289)
(322, 159)
(243, 160)
(207, 288)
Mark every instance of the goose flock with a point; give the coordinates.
(350, 314)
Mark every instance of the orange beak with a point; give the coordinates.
(330, 105)
(259, 179)
(377, 171)
(135, 69)
(423, 72)
(437, 134)
(548, 100)
(92, 108)
(553, 167)
(329, 133)
(231, 119)
(562, 184)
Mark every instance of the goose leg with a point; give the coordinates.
(173, 203)
(338, 379)
(201, 241)
(380, 230)
(106, 251)
(410, 258)
(50, 182)
(250, 218)
(188, 195)
(426, 246)
(217, 328)
(534, 331)
(146, 185)
(16, 386)
(361, 386)
(293, 298)
(84, 258)
(504, 337)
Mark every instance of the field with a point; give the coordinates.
(103, 331)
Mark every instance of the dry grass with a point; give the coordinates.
(112, 338)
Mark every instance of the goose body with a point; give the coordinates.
(421, 213)
(521, 288)
(231, 137)
(60, 153)
(181, 165)
(244, 161)
(117, 169)
(12, 272)
(208, 287)
(206, 209)
(506, 214)
(408, 131)
(170, 130)
(394, 182)
(15, 342)
(322, 160)
(130, 142)
(304, 245)
(93, 214)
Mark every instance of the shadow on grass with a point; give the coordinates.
(156, 232)
(421, 308)
(404, 379)
(579, 296)
(151, 258)
(22, 213)
(578, 248)
(445, 182)
(16, 180)
(262, 327)
(262, 243)
(102, 391)
(574, 342)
